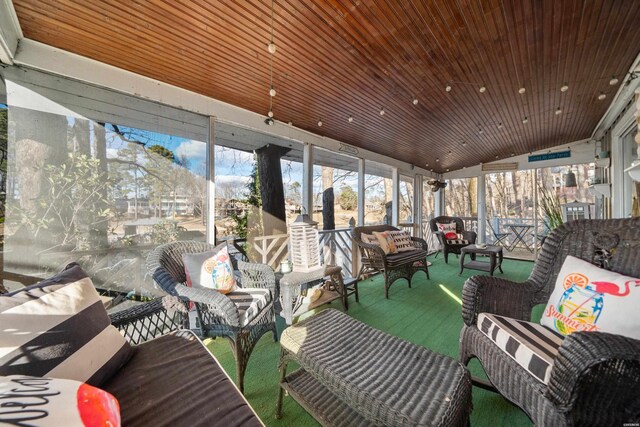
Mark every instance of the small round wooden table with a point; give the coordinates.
(495, 258)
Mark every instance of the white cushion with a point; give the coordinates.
(369, 239)
(588, 298)
(447, 227)
(531, 345)
(212, 270)
(28, 400)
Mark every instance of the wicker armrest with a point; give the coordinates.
(149, 320)
(595, 370)
(471, 236)
(420, 243)
(373, 253)
(213, 302)
(255, 275)
(487, 294)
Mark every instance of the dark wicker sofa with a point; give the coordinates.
(402, 265)
(595, 378)
(448, 246)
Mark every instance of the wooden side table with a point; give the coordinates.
(495, 258)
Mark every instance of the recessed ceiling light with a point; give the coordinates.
(437, 159)
(319, 122)
(522, 90)
(271, 47)
(496, 157)
(482, 89)
(602, 96)
(613, 81)
(564, 88)
(450, 152)
(464, 144)
(448, 88)
(525, 120)
(382, 111)
(480, 131)
(290, 123)
(447, 170)
(426, 164)
(272, 91)
(558, 111)
(513, 154)
(350, 119)
(415, 101)
(500, 126)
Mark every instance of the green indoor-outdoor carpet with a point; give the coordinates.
(427, 314)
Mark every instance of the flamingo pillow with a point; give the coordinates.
(588, 298)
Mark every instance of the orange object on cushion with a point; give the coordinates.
(387, 243)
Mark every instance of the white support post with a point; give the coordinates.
(395, 199)
(482, 208)
(361, 192)
(307, 179)
(211, 182)
(417, 206)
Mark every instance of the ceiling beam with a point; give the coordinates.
(39, 56)
(10, 32)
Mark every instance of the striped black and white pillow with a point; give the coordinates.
(531, 345)
(59, 328)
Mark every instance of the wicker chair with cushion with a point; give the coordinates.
(402, 265)
(452, 245)
(243, 316)
(594, 378)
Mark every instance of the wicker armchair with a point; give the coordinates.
(402, 265)
(595, 379)
(452, 246)
(220, 315)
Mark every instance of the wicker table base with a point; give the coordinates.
(352, 374)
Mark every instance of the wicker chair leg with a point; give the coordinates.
(446, 256)
(283, 374)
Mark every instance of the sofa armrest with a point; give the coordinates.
(212, 302)
(487, 294)
(420, 243)
(597, 374)
(143, 322)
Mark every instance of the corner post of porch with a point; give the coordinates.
(417, 206)
(482, 208)
(211, 182)
(361, 192)
(307, 179)
(395, 198)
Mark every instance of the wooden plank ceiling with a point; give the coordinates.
(342, 58)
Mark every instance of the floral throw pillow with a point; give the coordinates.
(588, 298)
(212, 270)
(55, 402)
(387, 243)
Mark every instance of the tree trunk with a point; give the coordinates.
(82, 144)
(328, 200)
(100, 233)
(388, 201)
(272, 189)
(473, 196)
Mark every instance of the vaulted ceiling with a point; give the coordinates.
(341, 58)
